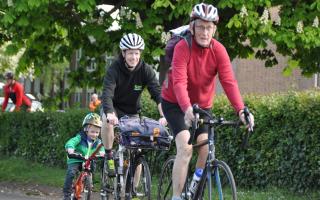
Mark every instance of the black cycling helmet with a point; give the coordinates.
(8, 75)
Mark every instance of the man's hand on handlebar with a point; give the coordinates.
(163, 121)
(189, 116)
(112, 118)
(247, 118)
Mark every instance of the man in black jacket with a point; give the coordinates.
(122, 87)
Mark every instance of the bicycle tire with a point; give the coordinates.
(109, 186)
(223, 186)
(87, 190)
(143, 190)
(165, 190)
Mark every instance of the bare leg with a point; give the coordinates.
(180, 167)
(137, 175)
(107, 133)
(202, 152)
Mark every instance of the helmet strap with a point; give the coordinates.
(128, 66)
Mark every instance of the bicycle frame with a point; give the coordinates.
(208, 168)
(207, 173)
(121, 175)
(86, 171)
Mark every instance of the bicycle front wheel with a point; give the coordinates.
(223, 186)
(87, 190)
(138, 185)
(165, 190)
(109, 186)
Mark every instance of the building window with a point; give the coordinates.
(92, 65)
(77, 97)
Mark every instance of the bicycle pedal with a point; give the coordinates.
(103, 194)
(109, 189)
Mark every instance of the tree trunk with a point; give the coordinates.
(61, 93)
(73, 66)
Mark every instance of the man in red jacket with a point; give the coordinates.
(192, 81)
(14, 90)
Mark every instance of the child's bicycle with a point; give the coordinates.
(216, 181)
(83, 185)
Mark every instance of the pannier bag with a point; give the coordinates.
(143, 133)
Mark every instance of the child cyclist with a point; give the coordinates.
(84, 143)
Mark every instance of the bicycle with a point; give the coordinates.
(216, 176)
(83, 185)
(132, 178)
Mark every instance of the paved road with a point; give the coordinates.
(20, 196)
(6, 194)
(9, 191)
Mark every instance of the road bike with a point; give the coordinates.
(217, 181)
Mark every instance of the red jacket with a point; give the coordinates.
(16, 94)
(193, 76)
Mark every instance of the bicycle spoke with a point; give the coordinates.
(165, 181)
(223, 184)
(108, 184)
(140, 183)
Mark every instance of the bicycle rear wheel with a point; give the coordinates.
(138, 185)
(223, 186)
(165, 190)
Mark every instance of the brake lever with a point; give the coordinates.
(245, 141)
(246, 113)
(195, 126)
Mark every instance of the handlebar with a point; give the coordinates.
(211, 122)
(81, 157)
(76, 156)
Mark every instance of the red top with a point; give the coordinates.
(16, 94)
(192, 79)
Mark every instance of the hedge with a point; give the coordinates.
(284, 149)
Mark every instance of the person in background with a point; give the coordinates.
(94, 103)
(15, 91)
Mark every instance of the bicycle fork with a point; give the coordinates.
(120, 170)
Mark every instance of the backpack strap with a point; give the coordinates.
(187, 36)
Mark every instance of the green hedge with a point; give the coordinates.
(39, 136)
(284, 149)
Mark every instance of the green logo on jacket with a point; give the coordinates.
(137, 87)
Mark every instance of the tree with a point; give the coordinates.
(50, 31)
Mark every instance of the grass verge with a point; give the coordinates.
(19, 170)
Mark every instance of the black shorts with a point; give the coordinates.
(175, 118)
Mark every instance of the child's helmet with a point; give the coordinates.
(92, 119)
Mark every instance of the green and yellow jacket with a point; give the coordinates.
(81, 145)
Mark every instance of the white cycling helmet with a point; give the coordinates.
(131, 41)
(205, 12)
